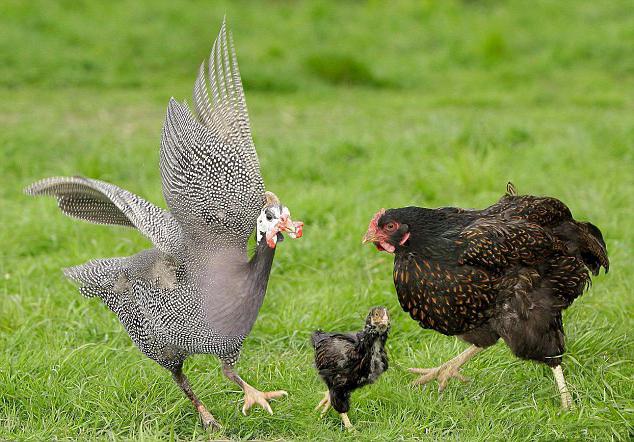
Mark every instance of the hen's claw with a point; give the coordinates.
(442, 374)
(253, 396)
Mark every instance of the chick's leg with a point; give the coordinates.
(346, 422)
(324, 404)
(566, 398)
(252, 395)
(448, 370)
(206, 418)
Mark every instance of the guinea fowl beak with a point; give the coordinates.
(295, 229)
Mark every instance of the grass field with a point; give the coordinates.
(354, 106)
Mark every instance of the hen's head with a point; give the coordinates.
(274, 219)
(386, 231)
(378, 320)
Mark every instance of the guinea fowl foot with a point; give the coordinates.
(324, 404)
(253, 396)
(208, 421)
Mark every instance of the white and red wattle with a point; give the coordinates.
(295, 229)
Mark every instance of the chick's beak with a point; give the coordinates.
(383, 323)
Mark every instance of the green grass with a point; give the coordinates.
(354, 106)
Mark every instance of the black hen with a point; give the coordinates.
(505, 271)
(347, 361)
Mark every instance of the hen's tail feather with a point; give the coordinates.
(317, 336)
(593, 249)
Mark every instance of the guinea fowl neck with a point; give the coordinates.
(259, 271)
(260, 264)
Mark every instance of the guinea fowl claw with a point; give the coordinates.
(209, 423)
(253, 396)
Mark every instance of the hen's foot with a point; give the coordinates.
(253, 396)
(448, 370)
(324, 404)
(566, 398)
(442, 374)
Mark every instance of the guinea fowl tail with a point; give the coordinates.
(100, 276)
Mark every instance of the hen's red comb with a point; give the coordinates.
(375, 219)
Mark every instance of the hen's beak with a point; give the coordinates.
(370, 236)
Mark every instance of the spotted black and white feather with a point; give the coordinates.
(210, 170)
(104, 203)
(196, 291)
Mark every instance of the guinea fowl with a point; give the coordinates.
(505, 271)
(196, 291)
(347, 361)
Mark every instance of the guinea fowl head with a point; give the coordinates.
(378, 320)
(387, 230)
(274, 219)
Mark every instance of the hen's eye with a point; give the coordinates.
(269, 217)
(390, 227)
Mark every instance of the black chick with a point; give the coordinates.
(506, 271)
(347, 361)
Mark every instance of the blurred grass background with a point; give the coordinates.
(354, 106)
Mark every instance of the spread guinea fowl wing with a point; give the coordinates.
(104, 203)
(209, 166)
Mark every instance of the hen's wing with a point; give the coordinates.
(104, 203)
(495, 243)
(542, 210)
(209, 166)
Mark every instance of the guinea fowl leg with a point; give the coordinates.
(566, 398)
(205, 416)
(252, 395)
(450, 369)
